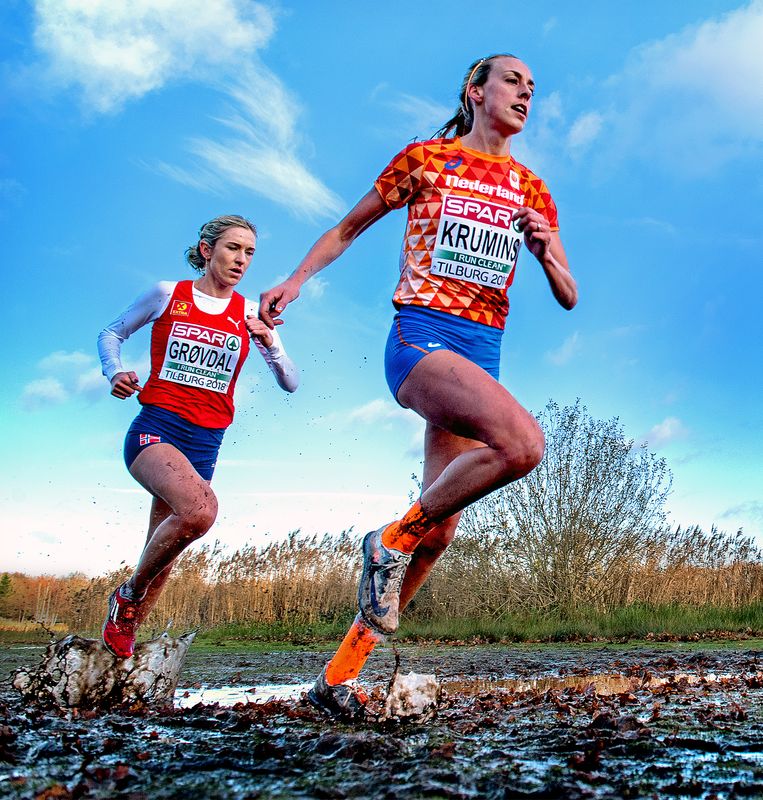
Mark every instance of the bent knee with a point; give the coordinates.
(521, 454)
(199, 515)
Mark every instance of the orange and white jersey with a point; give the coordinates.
(461, 243)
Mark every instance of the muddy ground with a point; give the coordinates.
(686, 721)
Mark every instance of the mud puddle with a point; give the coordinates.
(229, 696)
(578, 722)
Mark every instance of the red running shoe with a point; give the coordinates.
(119, 628)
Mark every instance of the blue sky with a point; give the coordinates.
(123, 131)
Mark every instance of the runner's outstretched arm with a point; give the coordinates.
(328, 248)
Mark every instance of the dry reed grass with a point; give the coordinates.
(310, 580)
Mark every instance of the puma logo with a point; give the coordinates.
(234, 322)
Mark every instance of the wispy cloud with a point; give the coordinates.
(752, 509)
(43, 392)
(379, 410)
(114, 53)
(569, 348)
(65, 360)
(117, 52)
(257, 149)
(386, 414)
(584, 131)
(425, 114)
(692, 100)
(689, 102)
(66, 374)
(670, 429)
(315, 287)
(421, 116)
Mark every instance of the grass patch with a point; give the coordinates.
(13, 631)
(296, 633)
(639, 622)
(634, 622)
(629, 623)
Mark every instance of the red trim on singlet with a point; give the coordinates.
(209, 333)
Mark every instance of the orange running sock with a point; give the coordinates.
(405, 534)
(353, 653)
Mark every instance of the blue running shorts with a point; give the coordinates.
(156, 425)
(417, 331)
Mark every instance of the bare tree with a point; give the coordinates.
(569, 533)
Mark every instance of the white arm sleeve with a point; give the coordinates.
(145, 309)
(276, 357)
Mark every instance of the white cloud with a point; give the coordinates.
(69, 374)
(549, 108)
(116, 52)
(752, 509)
(670, 429)
(43, 392)
(382, 415)
(91, 382)
(584, 131)
(63, 360)
(567, 351)
(379, 411)
(315, 287)
(258, 149)
(717, 64)
(417, 116)
(692, 100)
(44, 537)
(424, 114)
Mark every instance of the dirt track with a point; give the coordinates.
(657, 735)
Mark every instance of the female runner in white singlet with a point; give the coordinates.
(200, 337)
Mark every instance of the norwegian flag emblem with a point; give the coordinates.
(149, 438)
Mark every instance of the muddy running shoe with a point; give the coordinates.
(380, 582)
(120, 625)
(345, 700)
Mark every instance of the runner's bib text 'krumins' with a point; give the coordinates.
(477, 242)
